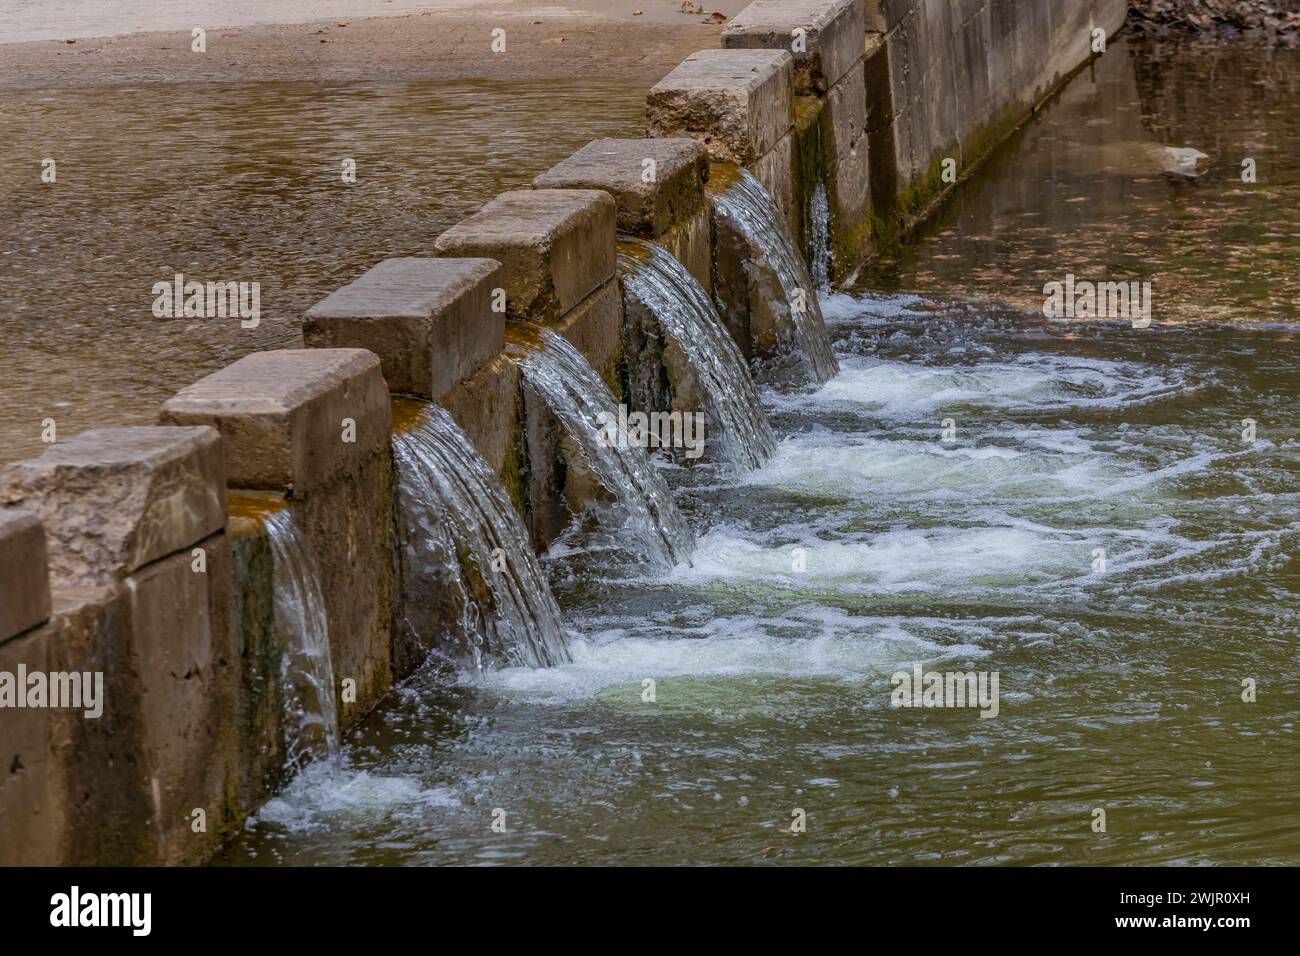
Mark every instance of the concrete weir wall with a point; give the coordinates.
(128, 525)
(136, 565)
(659, 190)
(825, 38)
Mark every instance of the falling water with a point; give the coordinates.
(688, 317)
(579, 399)
(772, 678)
(306, 670)
(747, 204)
(819, 239)
(473, 547)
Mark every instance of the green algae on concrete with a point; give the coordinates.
(259, 649)
(810, 166)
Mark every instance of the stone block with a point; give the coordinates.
(430, 321)
(114, 781)
(846, 108)
(486, 407)
(849, 173)
(114, 499)
(348, 530)
(24, 574)
(648, 206)
(555, 246)
(284, 415)
(184, 698)
(691, 244)
(32, 808)
(593, 329)
(258, 646)
(824, 36)
(738, 103)
(76, 790)
(775, 170)
(882, 144)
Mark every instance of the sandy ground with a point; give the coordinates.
(543, 40)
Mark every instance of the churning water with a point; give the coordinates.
(306, 669)
(688, 318)
(748, 206)
(582, 403)
(1080, 508)
(466, 557)
(1121, 674)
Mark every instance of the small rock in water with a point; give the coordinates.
(1140, 159)
(1184, 161)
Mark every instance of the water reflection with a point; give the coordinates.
(1085, 189)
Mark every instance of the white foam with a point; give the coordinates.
(822, 463)
(805, 641)
(905, 391)
(932, 559)
(842, 307)
(323, 794)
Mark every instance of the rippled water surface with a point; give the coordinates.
(1093, 527)
(1083, 189)
(235, 183)
(1119, 688)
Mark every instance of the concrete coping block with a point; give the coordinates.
(115, 499)
(555, 246)
(24, 574)
(657, 183)
(738, 103)
(292, 419)
(824, 36)
(430, 321)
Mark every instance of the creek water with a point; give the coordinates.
(1119, 689)
(236, 182)
(643, 517)
(688, 319)
(463, 541)
(1077, 507)
(306, 669)
(1083, 189)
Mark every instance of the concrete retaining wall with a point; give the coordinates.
(142, 555)
(825, 39)
(950, 79)
(133, 523)
(313, 425)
